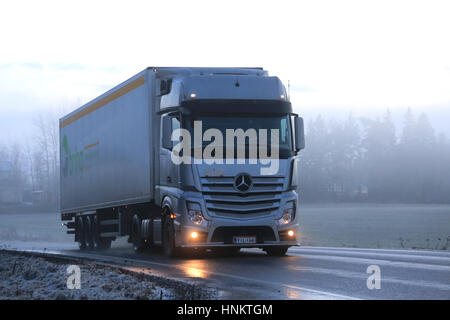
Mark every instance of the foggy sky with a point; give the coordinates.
(337, 56)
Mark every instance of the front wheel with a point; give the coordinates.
(138, 242)
(276, 251)
(168, 238)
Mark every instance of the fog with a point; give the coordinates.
(347, 158)
(374, 160)
(353, 71)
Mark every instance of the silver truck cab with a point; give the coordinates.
(236, 203)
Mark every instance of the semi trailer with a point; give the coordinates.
(184, 158)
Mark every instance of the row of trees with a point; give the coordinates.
(352, 160)
(370, 160)
(35, 163)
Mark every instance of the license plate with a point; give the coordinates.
(244, 240)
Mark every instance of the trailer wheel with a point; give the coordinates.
(99, 243)
(81, 234)
(138, 242)
(89, 232)
(168, 239)
(95, 232)
(278, 251)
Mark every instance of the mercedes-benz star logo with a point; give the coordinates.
(243, 182)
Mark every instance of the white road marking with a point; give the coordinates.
(400, 251)
(368, 261)
(444, 259)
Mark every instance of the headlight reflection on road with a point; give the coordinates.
(195, 269)
(292, 293)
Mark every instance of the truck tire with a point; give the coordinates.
(89, 232)
(99, 243)
(95, 232)
(278, 251)
(168, 239)
(138, 242)
(81, 234)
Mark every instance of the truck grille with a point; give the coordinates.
(222, 199)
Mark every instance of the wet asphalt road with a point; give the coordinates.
(305, 273)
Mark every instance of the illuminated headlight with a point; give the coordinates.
(288, 215)
(195, 213)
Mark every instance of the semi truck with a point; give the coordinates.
(126, 173)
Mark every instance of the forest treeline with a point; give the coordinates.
(361, 159)
(351, 160)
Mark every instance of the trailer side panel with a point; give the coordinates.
(105, 149)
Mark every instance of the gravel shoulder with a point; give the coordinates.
(25, 276)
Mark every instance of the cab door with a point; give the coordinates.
(168, 171)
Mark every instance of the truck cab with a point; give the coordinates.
(226, 190)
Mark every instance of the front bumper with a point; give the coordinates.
(253, 245)
(220, 235)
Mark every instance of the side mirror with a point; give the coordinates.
(166, 133)
(299, 134)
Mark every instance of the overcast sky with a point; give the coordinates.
(338, 55)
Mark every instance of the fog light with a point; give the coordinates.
(291, 233)
(194, 235)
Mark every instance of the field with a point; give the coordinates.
(334, 225)
(376, 226)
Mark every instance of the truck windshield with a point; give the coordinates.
(222, 123)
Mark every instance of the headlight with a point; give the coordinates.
(288, 214)
(195, 213)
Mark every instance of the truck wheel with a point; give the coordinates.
(276, 251)
(168, 239)
(89, 232)
(95, 232)
(99, 243)
(138, 242)
(81, 234)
